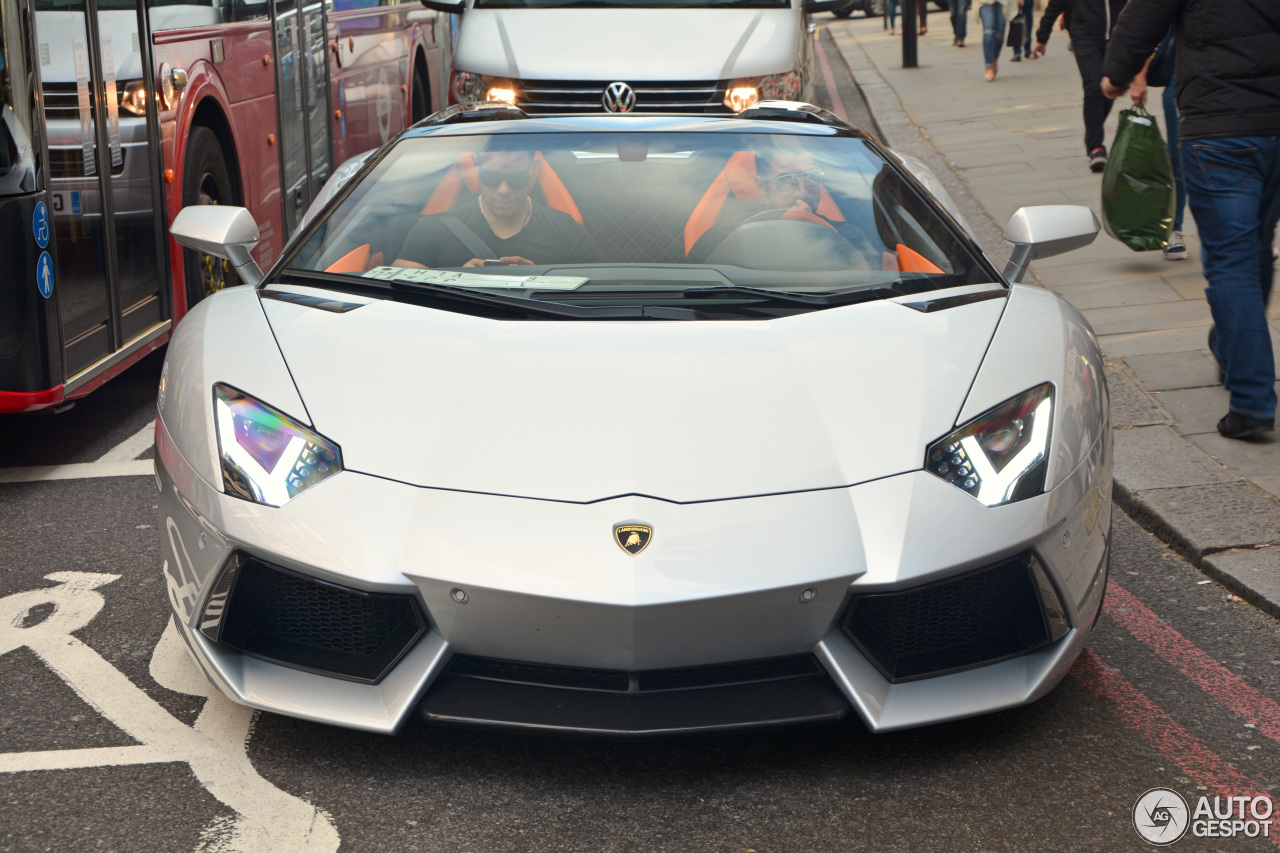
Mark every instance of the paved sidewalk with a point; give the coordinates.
(1019, 141)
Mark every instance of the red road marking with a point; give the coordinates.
(1174, 742)
(1203, 671)
(829, 80)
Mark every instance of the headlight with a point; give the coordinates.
(1002, 455)
(467, 87)
(746, 93)
(134, 98)
(501, 91)
(267, 457)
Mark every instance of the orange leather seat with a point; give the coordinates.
(464, 175)
(461, 176)
(738, 178)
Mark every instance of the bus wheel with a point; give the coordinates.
(421, 107)
(205, 181)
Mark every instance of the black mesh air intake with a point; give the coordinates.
(981, 617)
(722, 697)
(305, 623)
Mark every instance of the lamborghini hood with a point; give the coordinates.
(678, 410)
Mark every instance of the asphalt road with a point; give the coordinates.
(110, 743)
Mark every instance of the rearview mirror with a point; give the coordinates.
(1047, 230)
(222, 231)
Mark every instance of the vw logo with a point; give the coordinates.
(619, 98)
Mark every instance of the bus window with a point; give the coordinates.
(18, 157)
(179, 14)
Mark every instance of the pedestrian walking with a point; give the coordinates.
(922, 15)
(891, 12)
(1090, 23)
(1228, 93)
(993, 14)
(1027, 11)
(959, 21)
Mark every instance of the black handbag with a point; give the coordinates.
(1016, 32)
(1160, 71)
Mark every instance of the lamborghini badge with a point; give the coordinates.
(632, 538)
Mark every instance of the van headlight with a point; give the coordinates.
(745, 93)
(467, 87)
(1002, 455)
(133, 97)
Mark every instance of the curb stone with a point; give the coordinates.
(1220, 522)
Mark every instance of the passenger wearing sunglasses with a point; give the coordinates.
(502, 226)
(790, 183)
(789, 180)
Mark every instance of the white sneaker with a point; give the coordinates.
(1175, 249)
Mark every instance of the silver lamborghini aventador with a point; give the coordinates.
(634, 425)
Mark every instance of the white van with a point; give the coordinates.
(688, 56)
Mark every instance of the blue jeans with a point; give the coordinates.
(1233, 185)
(1175, 155)
(1028, 13)
(992, 32)
(959, 18)
(891, 9)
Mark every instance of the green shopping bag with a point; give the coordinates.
(1137, 186)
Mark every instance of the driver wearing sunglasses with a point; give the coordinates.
(503, 225)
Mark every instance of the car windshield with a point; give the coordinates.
(635, 219)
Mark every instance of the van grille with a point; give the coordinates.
(578, 96)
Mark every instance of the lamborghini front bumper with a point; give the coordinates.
(735, 615)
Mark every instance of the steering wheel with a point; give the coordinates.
(788, 213)
(786, 239)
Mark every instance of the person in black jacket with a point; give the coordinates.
(1228, 90)
(1091, 23)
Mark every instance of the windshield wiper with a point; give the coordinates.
(528, 307)
(825, 300)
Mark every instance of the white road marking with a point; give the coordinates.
(70, 759)
(215, 747)
(133, 446)
(78, 471)
(120, 461)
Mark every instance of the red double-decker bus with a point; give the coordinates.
(115, 114)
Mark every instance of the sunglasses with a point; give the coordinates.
(793, 180)
(516, 180)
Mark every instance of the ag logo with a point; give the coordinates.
(1161, 816)
(632, 538)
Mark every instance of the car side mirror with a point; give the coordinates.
(1047, 230)
(222, 231)
(455, 7)
(813, 7)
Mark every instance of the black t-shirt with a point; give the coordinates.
(550, 237)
